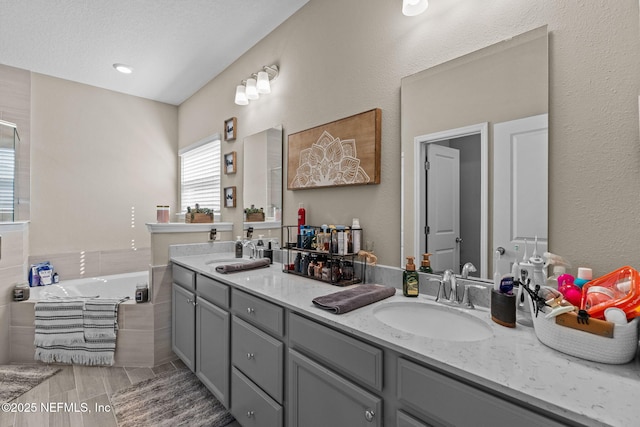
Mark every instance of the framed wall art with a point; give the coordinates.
(230, 129)
(230, 163)
(340, 153)
(230, 197)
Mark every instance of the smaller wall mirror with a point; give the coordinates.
(8, 140)
(262, 175)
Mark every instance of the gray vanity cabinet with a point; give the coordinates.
(257, 356)
(201, 328)
(319, 397)
(183, 317)
(212, 349)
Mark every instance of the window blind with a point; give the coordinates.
(200, 169)
(7, 169)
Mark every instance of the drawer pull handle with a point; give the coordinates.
(250, 356)
(250, 310)
(249, 414)
(368, 415)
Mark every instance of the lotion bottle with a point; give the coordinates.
(238, 247)
(425, 265)
(410, 286)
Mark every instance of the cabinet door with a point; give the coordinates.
(212, 349)
(318, 397)
(183, 325)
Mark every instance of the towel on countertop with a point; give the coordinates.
(356, 297)
(242, 266)
(86, 335)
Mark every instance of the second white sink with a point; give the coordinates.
(433, 321)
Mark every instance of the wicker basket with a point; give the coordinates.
(585, 345)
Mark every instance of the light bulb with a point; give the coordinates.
(414, 7)
(252, 90)
(263, 84)
(241, 96)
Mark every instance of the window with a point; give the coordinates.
(200, 168)
(7, 164)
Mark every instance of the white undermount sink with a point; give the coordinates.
(433, 321)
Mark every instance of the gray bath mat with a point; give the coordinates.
(176, 398)
(16, 380)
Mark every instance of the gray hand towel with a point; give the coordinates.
(242, 266)
(350, 299)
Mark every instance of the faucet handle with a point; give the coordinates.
(442, 293)
(466, 299)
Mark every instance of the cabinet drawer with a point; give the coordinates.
(404, 420)
(350, 356)
(266, 315)
(319, 397)
(251, 406)
(213, 291)
(183, 276)
(259, 356)
(439, 398)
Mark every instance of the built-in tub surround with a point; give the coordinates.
(142, 341)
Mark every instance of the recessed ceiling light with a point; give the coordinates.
(124, 69)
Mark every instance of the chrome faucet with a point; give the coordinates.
(252, 248)
(447, 277)
(468, 268)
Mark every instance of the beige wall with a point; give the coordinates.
(101, 162)
(339, 58)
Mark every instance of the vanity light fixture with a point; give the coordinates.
(414, 7)
(257, 84)
(123, 68)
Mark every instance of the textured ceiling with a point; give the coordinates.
(174, 46)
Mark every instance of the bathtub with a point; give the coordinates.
(114, 286)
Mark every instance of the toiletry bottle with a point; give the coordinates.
(425, 265)
(260, 247)
(497, 277)
(297, 263)
(268, 253)
(356, 236)
(410, 286)
(584, 275)
(238, 247)
(302, 216)
(558, 270)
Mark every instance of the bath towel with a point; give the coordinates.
(242, 266)
(59, 321)
(98, 325)
(356, 297)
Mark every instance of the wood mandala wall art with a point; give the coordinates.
(343, 152)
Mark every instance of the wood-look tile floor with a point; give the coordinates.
(83, 387)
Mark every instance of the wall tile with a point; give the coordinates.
(8, 278)
(22, 349)
(134, 348)
(5, 334)
(162, 351)
(138, 316)
(124, 261)
(22, 313)
(162, 315)
(72, 265)
(161, 283)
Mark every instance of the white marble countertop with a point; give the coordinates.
(511, 362)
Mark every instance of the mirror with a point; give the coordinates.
(470, 130)
(8, 140)
(262, 176)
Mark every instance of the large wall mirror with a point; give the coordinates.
(475, 156)
(262, 176)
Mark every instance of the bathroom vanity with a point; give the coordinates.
(257, 342)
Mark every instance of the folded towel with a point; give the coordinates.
(242, 266)
(350, 299)
(59, 321)
(101, 318)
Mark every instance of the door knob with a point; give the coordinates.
(500, 250)
(458, 239)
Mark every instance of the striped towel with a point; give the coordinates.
(59, 322)
(98, 326)
(101, 318)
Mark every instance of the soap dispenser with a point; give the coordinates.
(425, 265)
(238, 247)
(410, 286)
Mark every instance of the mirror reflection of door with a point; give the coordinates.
(520, 182)
(453, 205)
(443, 207)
